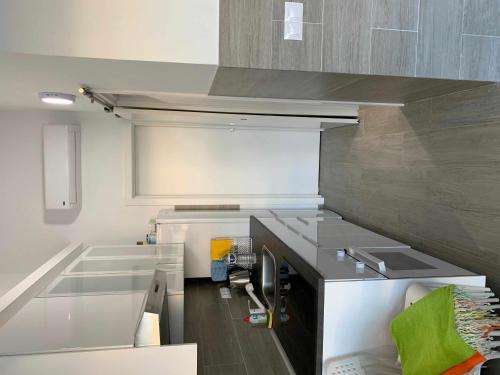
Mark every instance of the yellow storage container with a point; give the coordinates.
(219, 247)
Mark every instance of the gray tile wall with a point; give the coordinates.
(313, 10)
(346, 36)
(292, 84)
(481, 57)
(454, 39)
(395, 14)
(245, 36)
(297, 54)
(402, 59)
(251, 36)
(481, 40)
(439, 36)
(481, 17)
(427, 174)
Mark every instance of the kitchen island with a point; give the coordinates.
(340, 284)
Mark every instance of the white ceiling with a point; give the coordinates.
(23, 76)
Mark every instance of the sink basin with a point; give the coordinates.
(268, 277)
(98, 284)
(160, 251)
(120, 265)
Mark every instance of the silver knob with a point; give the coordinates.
(360, 267)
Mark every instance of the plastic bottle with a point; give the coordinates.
(262, 318)
(256, 319)
(151, 235)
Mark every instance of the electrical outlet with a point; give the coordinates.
(294, 15)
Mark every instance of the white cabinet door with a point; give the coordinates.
(196, 238)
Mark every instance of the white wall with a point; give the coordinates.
(21, 214)
(184, 31)
(28, 234)
(204, 161)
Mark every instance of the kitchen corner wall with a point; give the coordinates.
(28, 234)
(177, 31)
(427, 174)
(451, 39)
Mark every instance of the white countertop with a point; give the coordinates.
(127, 259)
(76, 285)
(214, 216)
(86, 322)
(174, 252)
(70, 323)
(172, 359)
(317, 240)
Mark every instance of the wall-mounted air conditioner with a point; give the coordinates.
(61, 161)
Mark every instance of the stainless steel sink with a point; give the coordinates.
(268, 277)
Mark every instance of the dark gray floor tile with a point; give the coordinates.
(236, 369)
(192, 327)
(218, 339)
(238, 304)
(259, 351)
(209, 293)
(202, 292)
(221, 339)
(202, 297)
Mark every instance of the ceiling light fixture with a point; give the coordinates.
(56, 98)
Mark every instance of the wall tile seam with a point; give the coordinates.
(272, 36)
(389, 29)
(371, 39)
(303, 22)
(482, 36)
(460, 62)
(395, 30)
(322, 37)
(418, 37)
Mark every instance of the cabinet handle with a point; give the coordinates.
(368, 258)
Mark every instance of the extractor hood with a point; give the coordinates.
(195, 109)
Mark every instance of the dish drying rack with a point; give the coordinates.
(241, 253)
